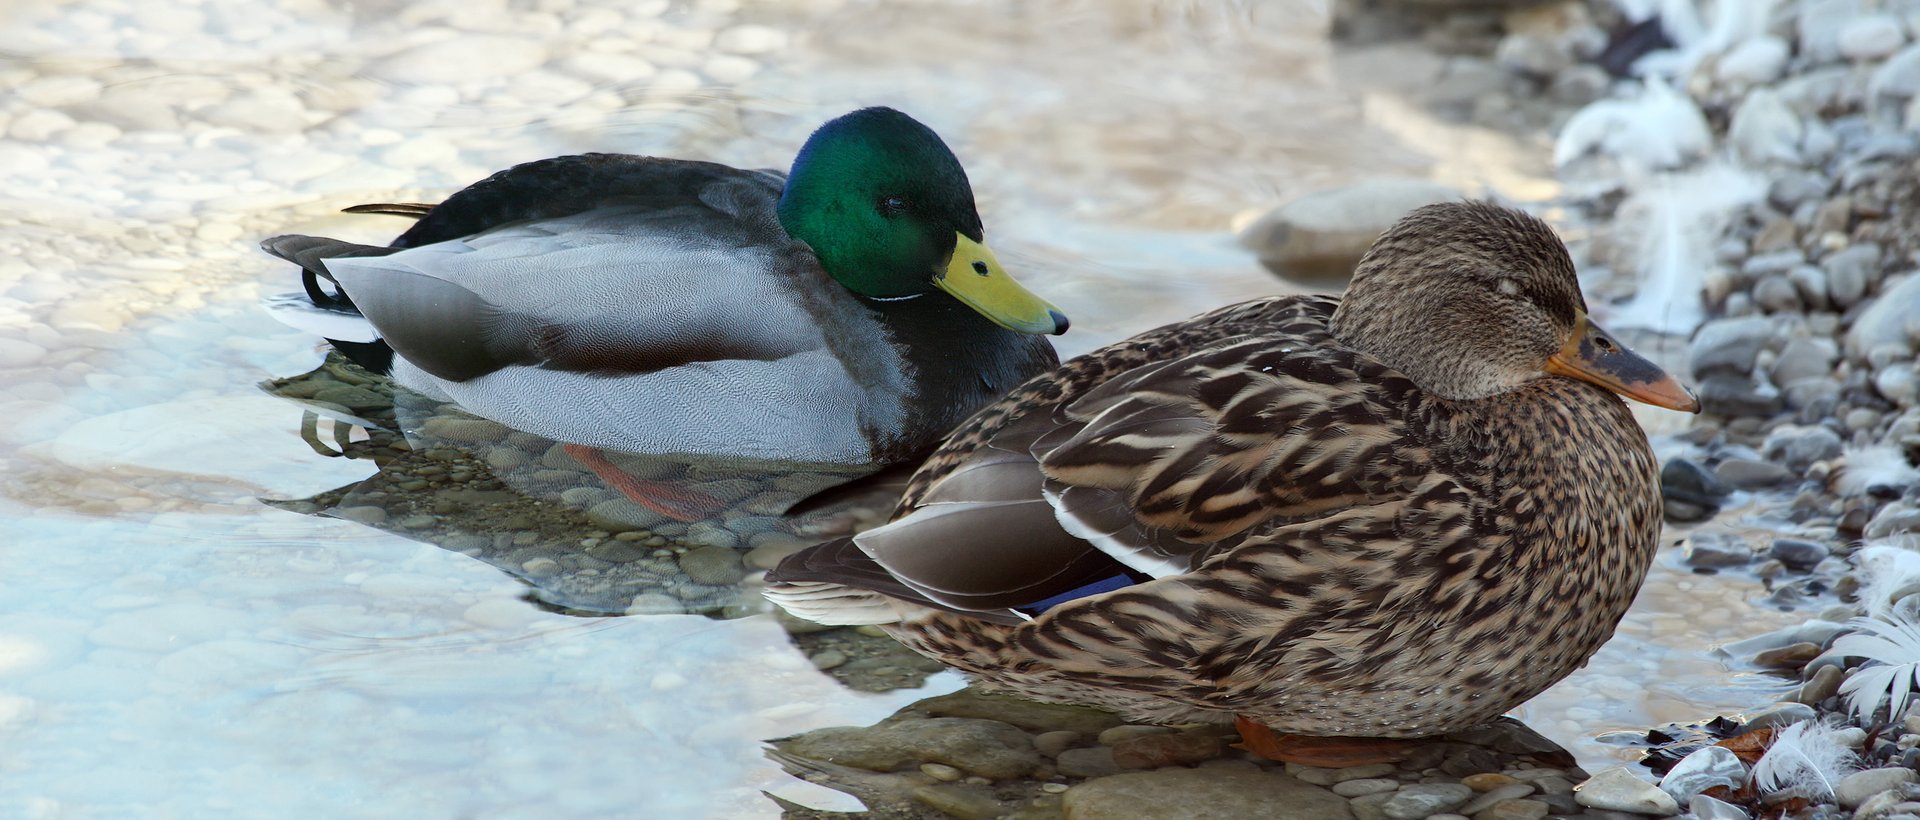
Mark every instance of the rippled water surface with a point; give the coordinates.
(171, 644)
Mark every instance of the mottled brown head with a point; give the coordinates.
(1471, 300)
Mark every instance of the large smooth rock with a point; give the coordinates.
(1728, 345)
(1203, 794)
(1885, 321)
(1030, 715)
(1855, 788)
(1319, 238)
(988, 748)
(1617, 789)
(1704, 769)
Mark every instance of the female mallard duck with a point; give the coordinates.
(1392, 514)
(846, 313)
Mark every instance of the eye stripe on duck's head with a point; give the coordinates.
(1468, 299)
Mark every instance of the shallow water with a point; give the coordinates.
(172, 645)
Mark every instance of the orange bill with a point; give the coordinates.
(1593, 355)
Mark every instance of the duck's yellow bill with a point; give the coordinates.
(1593, 355)
(977, 280)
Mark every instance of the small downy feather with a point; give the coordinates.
(1804, 758)
(1891, 646)
(1892, 571)
(1863, 468)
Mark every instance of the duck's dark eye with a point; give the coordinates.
(892, 205)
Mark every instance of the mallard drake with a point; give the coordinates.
(847, 312)
(1393, 514)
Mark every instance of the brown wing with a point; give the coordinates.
(1150, 456)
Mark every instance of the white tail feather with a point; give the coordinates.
(832, 604)
(297, 311)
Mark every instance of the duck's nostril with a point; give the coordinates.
(980, 267)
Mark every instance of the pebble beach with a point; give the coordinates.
(249, 579)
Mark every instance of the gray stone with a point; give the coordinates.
(1422, 799)
(1778, 714)
(1870, 37)
(1775, 293)
(1366, 785)
(1893, 519)
(1725, 394)
(1320, 237)
(1707, 808)
(1030, 715)
(1617, 789)
(1884, 322)
(1716, 550)
(1765, 264)
(1748, 474)
(1728, 346)
(1704, 769)
(1093, 761)
(1498, 794)
(1755, 61)
(1211, 793)
(1765, 129)
(713, 566)
(1898, 77)
(984, 748)
(1855, 788)
(1850, 271)
(1053, 743)
(1797, 553)
(1792, 188)
(1798, 447)
(1514, 810)
(1804, 359)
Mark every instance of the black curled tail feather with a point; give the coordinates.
(310, 253)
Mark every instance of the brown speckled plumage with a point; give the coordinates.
(1337, 549)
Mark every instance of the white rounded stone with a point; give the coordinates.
(609, 68)
(1870, 37)
(750, 40)
(1755, 61)
(459, 59)
(58, 91)
(39, 125)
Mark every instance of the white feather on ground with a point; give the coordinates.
(1675, 218)
(1804, 758)
(1732, 22)
(1874, 465)
(1892, 572)
(1892, 651)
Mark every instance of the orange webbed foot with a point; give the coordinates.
(1324, 752)
(664, 497)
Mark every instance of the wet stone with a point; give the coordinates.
(1731, 345)
(1093, 761)
(1154, 751)
(1717, 550)
(1130, 731)
(1797, 447)
(1617, 789)
(1778, 714)
(1727, 395)
(620, 515)
(1701, 770)
(986, 748)
(1514, 810)
(1423, 799)
(1053, 743)
(1749, 474)
(1798, 554)
(1482, 802)
(1030, 715)
(1855, 788)
(1365, 786)
(1166, 794)
(1487, 781)
(714, 566)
